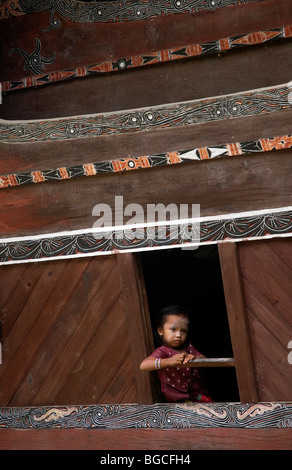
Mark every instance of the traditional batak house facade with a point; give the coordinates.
(110, 108)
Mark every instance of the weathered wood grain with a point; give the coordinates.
(266, 269)
(50, 155)
(236, 309)
(230, 185)
(127, 39)
(153, 85)
(147, 439)
(66, 336)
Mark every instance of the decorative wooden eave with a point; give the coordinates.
(53, 220)
(251, 219)
(41, 145)
(154, 35)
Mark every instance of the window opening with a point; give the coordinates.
(192, 278)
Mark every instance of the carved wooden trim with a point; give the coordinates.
(158, 416)
(124, 63)
(112, 11)
(143, 162)
(228, 227)
(244, 104)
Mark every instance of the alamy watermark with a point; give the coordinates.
(159, 221)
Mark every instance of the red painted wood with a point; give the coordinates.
(68, 205)
(147, 439)
(117, 40)
(266, 268)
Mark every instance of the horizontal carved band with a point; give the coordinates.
(165, 416)
(112, 11)
(123, 63)
(93, 242)
(245, 104)
(149, 161)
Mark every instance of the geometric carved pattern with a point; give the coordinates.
(112, 11)
(149, 161)
(173, 115)
(189, 51)
(234, 227)
(157, 416)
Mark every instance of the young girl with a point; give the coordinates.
(178, 384)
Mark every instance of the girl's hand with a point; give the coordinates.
(177, 359)
(188, 358)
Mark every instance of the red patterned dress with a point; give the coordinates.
(180, 384)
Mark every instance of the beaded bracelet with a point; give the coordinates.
(157, 363)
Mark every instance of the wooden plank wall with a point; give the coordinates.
(266, 268)
(147, 439)
(66, 334)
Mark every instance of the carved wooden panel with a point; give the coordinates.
(260, 426)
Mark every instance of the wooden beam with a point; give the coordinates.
(211, 362)
(229, 426)
(146, 439)
(195, 78)
(127, 39)
(238, 325)
(224, 186)
(25, 157)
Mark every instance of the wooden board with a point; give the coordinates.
(173, 81)
(122, 39)
(239, 331)
(266, 273)
(65, 334)
(62, 206)
(147, 439)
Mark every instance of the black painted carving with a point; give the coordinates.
(172, 115)
(122, 10)
(149, 161)
(233, 228)
(34, 62)
(158, 416)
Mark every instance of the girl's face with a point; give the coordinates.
(174, 331)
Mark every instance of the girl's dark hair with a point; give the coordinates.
(170, 310)
(162, 316)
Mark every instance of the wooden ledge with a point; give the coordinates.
(211, 362)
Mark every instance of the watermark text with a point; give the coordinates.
(175, 221)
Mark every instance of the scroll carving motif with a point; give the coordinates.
(167, 416)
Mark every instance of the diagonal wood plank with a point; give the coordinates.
(266, 273)
(107, 367)
(71, 331)
(16, 346)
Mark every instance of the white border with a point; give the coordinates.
(187, 245)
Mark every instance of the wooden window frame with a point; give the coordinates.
(237, 319)
(242, 359)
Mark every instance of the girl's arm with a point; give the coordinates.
(149, 363)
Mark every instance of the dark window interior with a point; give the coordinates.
(192, 278)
